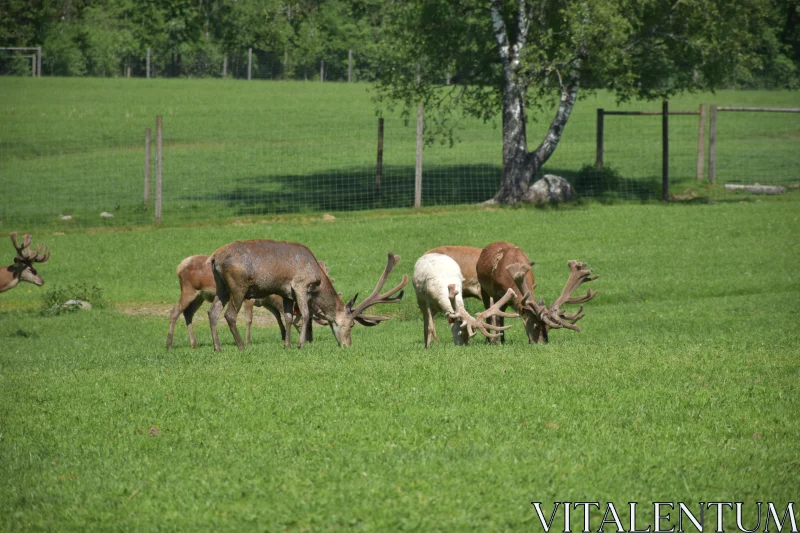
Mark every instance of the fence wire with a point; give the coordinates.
(321, 155)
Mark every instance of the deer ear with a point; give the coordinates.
(532, 263)
(351, 303)
(452, 291)
(518, 271)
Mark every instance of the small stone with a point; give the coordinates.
(66, 217)
(106, 215)
(328, 218)
(78, 304)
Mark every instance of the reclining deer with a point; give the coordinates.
(438, 282)
(259, 268)
(22, 268)
(503, 266)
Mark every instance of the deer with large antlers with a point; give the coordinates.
(22, 268)
(197, 286)
(438, 283)
(258, 268)
(503, 266)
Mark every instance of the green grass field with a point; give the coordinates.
(682, 386)
(236, 149)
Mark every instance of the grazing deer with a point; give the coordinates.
(258, 268)
(197, 286)
(503, 266)
(467, 259)
(22, 268)
(438, 281)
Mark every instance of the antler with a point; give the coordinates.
(24, 253)
(480, 320)
(553, 315)
(376, 298)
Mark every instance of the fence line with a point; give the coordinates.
(271, 159)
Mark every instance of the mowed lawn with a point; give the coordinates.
(682, 386)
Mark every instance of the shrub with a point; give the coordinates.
(54, 300)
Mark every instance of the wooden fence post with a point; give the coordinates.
(158, 169)
(38, 60)
(147, 166)
(379, 171)
(148, 62)
(665, 150)
(418, 173)
(321, 70)
(701, 143)
(712, 145)
(598, 162)
(249, 64)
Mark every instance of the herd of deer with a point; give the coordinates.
(286, 279)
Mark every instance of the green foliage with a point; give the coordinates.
(54, 300)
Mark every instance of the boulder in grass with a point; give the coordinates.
(551, 189)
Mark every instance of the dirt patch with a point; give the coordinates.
(261, 317)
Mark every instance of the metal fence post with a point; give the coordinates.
(701, 143)
(598, 162)
(379, 171)
(418, 173)
(665, 150)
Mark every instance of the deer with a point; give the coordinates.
(22, 269)
(502, 266)
(197, 286)
(467, 259)
(258, 268)
(438, 280)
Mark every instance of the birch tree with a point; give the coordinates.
(507, 56)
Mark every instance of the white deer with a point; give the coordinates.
(438, 282)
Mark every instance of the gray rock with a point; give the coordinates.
(76, 304)
(550, 189)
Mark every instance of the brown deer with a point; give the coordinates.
(258, 268)
(503, 266)
(197, 286)
(22, 268)
(467, 259)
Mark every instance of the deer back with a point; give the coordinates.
(467, 259)
(493, 274)
(438, 280)
(264, 267)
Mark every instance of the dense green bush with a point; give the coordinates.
(54, 300)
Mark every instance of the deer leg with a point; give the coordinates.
(188, 315)
(186, 299)
(234, 304)
(277, 314)
(288, 307)
(248, 318)
(301, 299)
(220, 300)
(429, 328)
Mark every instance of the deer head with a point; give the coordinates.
(22, 269)
(546, 317)
(350, 314)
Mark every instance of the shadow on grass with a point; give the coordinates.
(357, 189)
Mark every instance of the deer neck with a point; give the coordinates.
(9, 277)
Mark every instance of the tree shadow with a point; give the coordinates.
(357, 188)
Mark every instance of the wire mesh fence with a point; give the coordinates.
(292, 152)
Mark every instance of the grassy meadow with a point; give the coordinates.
(236, 149)
(682, 386)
